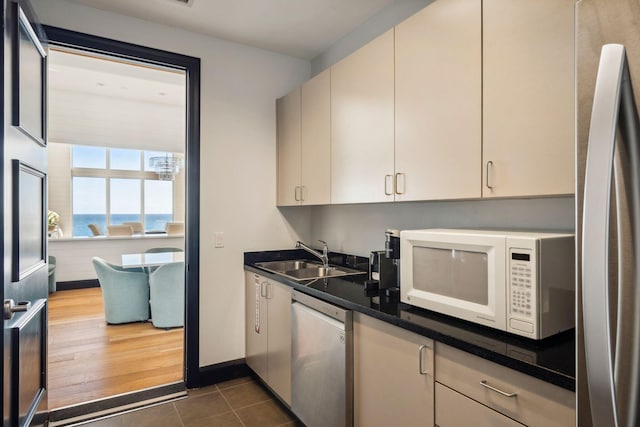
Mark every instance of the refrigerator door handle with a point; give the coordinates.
(595, 236)
(614, 120)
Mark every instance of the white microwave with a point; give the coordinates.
(518, 282)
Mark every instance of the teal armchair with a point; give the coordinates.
(52, 274)
(125, 293)
(167, 295)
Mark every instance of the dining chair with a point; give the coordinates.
(95, 229)
(166, 289)
(175, 227)
(135, 226)
(119, 230)
(125, 293)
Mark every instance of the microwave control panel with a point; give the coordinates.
(522, 284)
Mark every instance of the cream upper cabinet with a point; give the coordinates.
(393, 378)
(528, 97)
(304, 144)
(438, 101)
(315, 170)
(362, 124)
(288, 149)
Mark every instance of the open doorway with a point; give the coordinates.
(117, 187)
(151, 58)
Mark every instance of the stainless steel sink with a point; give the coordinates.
(301, 270)
(282, 266)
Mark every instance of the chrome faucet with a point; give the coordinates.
(324, 256)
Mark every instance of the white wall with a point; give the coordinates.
(73, 256)
(239, 88)
(59, 180)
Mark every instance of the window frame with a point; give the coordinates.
(107, 173)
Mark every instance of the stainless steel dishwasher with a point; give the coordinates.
(321, 362)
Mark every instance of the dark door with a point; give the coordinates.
(24, 206)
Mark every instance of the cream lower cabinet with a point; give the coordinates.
(393, 375)
(456, 410)
(528, 97)
(438, 102)
(495, 393)
(268, 332)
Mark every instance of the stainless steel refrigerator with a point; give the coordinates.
(608, 212)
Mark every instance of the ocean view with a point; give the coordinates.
(152, 222)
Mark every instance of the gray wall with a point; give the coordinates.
(367, 31)
(359, 229)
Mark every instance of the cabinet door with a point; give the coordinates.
(256, 323)
(438, 75)
(454, 410)
(528, 94)
(362, 124)
(388, 386)
(315, 170)
(279, 341)
(288, 148)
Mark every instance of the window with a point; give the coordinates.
(124, 159)
(113, 185)
(89, 204)
(158, 202)
(89, 157)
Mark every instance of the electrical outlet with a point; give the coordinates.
(219, 239)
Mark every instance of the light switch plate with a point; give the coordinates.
(219, 239)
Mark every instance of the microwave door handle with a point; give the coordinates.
(595, 237)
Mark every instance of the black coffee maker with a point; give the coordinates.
(384, 266)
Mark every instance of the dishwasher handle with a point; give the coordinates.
(335, 312)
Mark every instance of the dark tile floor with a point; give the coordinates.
(235, 403)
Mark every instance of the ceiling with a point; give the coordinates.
(97, 100)
(300, 28)
(76, 71)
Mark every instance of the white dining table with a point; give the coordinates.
(151, 259)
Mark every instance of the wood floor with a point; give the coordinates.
(89, 359)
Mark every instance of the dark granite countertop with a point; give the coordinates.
(551, 360)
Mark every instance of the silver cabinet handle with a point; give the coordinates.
(488, 170)
(420, 358)
(302, 188)
(268, 292)
(397, 183)
(483, 383)
(263, 289)
(295, 194)
(10, 307)
(388, 179)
